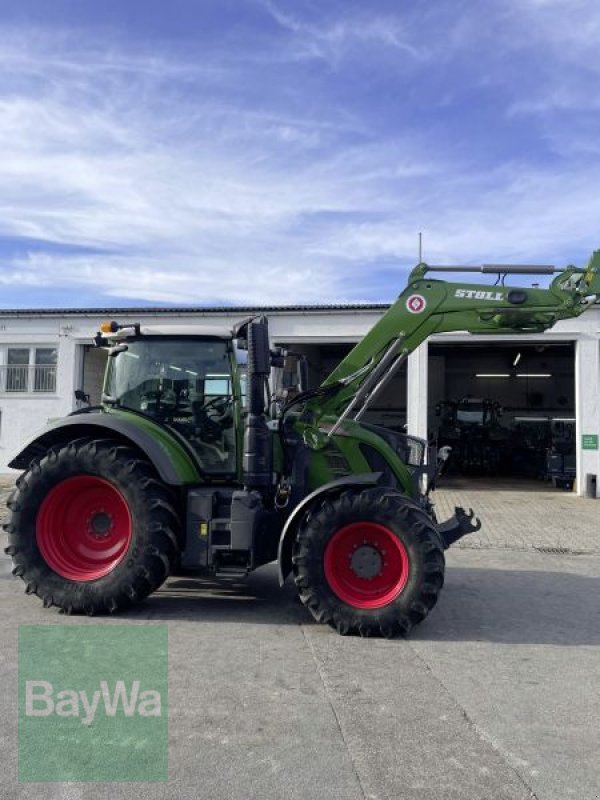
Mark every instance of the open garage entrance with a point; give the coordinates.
(389, 409)
(507, 410)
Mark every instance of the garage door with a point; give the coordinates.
(507, 410)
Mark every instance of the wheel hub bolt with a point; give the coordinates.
(100, 524)
(365, 562)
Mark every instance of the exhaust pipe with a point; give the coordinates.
(258, 450)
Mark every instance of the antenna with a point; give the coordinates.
(420, 248)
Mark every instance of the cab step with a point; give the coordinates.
(233, 571)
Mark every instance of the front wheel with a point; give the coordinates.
(369, 562)
(91, 528)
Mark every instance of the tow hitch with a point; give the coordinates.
(458, 526)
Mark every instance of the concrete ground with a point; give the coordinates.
(495, 695)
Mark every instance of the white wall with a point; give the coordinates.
(24, 413)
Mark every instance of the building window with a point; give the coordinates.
(44, 375)
(17, 369)
(30, 369)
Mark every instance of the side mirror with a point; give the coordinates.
(303, 373)
(444, 454)
(81, 396)
(295, 372)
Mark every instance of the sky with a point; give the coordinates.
(262, 152)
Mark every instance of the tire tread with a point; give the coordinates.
(403, 516)
(155, 546)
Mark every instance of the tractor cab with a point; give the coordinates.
(189, 383)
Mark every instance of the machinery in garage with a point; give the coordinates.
(560, 457)
(189, 461)
(471, 427)
(518, 402)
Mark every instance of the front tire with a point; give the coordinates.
(91, 527)
(369, 562)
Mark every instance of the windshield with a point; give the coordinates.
(185, 384)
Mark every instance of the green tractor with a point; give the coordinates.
(193, 462)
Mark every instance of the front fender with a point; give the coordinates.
(288, 534)
(173, 462)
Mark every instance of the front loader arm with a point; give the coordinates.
(429, 306)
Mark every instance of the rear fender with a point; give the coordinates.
(288, 534)
(173, 463)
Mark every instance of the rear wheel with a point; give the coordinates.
(91, 527)
(369, 562)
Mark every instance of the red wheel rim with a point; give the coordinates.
(366, 565)
(83, 528)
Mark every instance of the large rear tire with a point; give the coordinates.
(91, 528)
(369, 562)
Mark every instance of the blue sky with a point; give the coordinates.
(270, 152)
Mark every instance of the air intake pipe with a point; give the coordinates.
(258, 449)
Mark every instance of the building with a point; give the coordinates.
(547, 385)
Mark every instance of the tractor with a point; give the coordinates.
(198, 460)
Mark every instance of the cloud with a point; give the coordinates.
(331, 40)
(216, 201)
(225, 172)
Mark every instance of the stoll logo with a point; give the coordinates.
(472, 294)
(93, 702)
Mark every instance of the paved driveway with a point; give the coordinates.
(495, 696)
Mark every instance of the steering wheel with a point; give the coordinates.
(158, 403)
(212, 417)
(219, 410)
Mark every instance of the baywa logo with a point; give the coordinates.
(93, 703)
(42, 701)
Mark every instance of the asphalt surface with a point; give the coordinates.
(496, 695)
